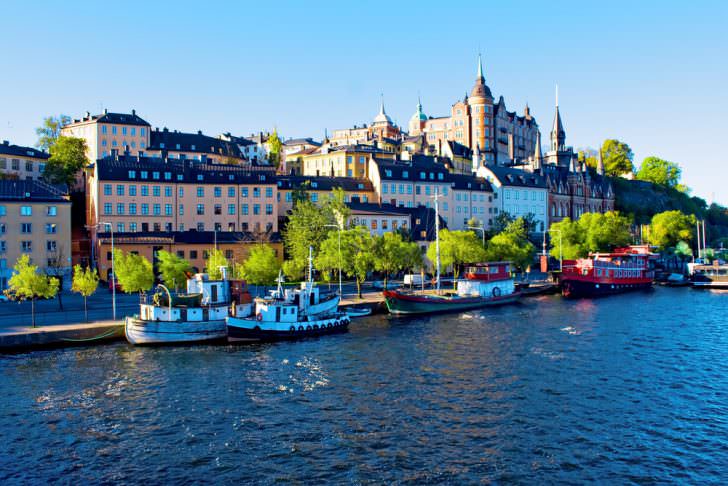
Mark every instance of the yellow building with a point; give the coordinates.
(110, 131)
(18, 162)
(35, 220)
(341, 161)
(319, 188)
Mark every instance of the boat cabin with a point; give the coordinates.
(214, 292)
(486, 280)
(488, 272)
(623, 264)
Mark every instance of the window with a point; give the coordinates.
(231, 192)
(120, 228)
(268, 192)
(200, 209)
(145, 209)
(244, 192)
(51, 211)
(103, 129)
(244, 209)
(144, 174)
(168, 210)
(181, 192)
(107, 208)
(3, 249)
(374, 224)
(132, 208)
(3, 211)
(269, 209)
(132, 227)
(145, 191)
(26, 228)
(155, 175)
(157, 209)
(156, 192)
(181, 209)
(256, 208)
(218, 192)
(132, 190)
(119, 208)
(107, 189)
(200, 226)
(26, 246)
(29, 166)
(231, 209)
(3, 228)
(256, 192)
(113, 130)
(200, 191)
(314, 197)
(167, 191)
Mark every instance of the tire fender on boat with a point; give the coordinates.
(496, 292)
(259, 317)
(293, 329)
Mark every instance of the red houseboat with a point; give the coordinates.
(623, 270)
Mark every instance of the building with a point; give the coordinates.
(146, 194)
(25, 163)
(477, 122)
(319, 188)
(193, 246)
(172, 144)
(382, 130)
(340, 160)
(110, 131)
(35, 220)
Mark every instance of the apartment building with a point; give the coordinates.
(110, 131)
(18, 162)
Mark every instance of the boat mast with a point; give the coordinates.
(310, 265)
(437, 240)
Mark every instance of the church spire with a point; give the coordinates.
(600, 163)
(480, 69)
(558, 134)
(537, 155)
(381, 104)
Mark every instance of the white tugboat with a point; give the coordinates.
(290, 314)
(199, 315)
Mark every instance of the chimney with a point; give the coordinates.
(88, 115)
(133, 112)
(199, 132)
(5, 142)
(106, 111)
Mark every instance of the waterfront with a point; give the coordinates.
(627, 388)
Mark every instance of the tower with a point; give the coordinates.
(537, 155)
(481, 110)
(417, 121)
(558, 135)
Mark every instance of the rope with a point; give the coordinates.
(100, 336)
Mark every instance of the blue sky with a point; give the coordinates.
(653, 74)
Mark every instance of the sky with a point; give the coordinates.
(651, 74)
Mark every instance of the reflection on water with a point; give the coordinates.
(627, 388)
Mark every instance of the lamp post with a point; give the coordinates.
(482, 231)
(561, 248)
(338, 227)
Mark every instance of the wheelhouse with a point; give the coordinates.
(488, 272)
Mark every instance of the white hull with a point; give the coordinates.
(163, 332)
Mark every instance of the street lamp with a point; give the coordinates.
(482, 231)
(113, 270)
(341, 294)
(561, 248)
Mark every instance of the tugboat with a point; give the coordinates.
(290, 314)
(197, 316)
(623, 270)
(485, 284)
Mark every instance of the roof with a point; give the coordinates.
(302, 141)
(19, 150)
(192, 142)
(558, 175)
(412, 169)
(131, 167)
(31, 191)
(188, 237)
(116, 118)
(460, 150)
(509, 176)
(470, 183)
(421, 217)
(325, 183)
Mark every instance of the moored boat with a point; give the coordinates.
(713, 276)
(197, 316)
(623, 270)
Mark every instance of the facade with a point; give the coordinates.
(319, 188)
(194, 146)
(144, 194)
(476, 121)
(110, 131)
(193, 246)
(382, 130)
(24, 163)
(340, 161)
(419, 222)
(35, 220)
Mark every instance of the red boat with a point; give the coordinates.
(623, 270)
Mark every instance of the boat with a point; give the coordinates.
(195, 316)
(485, 284)
(287, 314)
(358, 311)
(623, 270)
(704, 276)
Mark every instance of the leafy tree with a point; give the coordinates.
(392, 254)
(357, 258)
(300, 193)
(501, 221)
(604, 232)
(617, 158)
(590, 156)
(215, 260)
(29, 283)
(457, 248)
(659, 171)
(133, 272)
(50, 130)
(309, 225)
(85, 282)
(671, 227)
(275, 146)
(56, 267)
(293, 269)
(512, 245)
(683, 250)
(567, 239)
(173, 270)
(261, 267)
(68, 157)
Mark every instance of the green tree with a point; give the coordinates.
(274, 148)
(29, 283)
(659, 171)
(215, 260)
(671, 227)
(307, 225)
(173, 270)
(68, 157)
(567, 239)
(457, 248)
(591, 233)
(512, 245)
(392, 254)
(590, 156)
(617, 158)
(357, 257)
(85, 282)
(50, 130)
(133, 272)
(293, 269)
(261, 267)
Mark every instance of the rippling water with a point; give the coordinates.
(620, 389)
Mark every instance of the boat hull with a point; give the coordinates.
(408, 304)
(252, 330)
(139, 332)
(574, 288)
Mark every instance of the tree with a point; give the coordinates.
(261, 267)
(589, 156)
(308, 225)
(29, 283)
(293, 269)
(68, 157)
(357, 258)
(617, 158)
(659, 171)
(671, 227)
(567, 239)
(173, 270)
(215, 260)
(512, 245)
(591, 233)
(85, 282)
(501, 221)
(133, 272)
(456, 248)
(56, 267)
(50, 130)
(274, 148)
(392, 254)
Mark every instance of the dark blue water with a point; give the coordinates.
(630, 388)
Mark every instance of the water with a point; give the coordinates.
(631, 388)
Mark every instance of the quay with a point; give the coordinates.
(25, 338)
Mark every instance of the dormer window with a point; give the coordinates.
(405, 174)
(179, 177)
(167, 176)
(199, 177)
(155, 175)
(161, 145)
(360, 186)
(440, 176)
(145, 174)
(314, 184)
(432, 176)
(132, 174)
(423, 175)
(388, 173)
(176, 146)
(193, 147)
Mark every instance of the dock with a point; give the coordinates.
(23, 338)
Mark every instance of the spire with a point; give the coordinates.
(571, 165)
(600, 163)
(537, 155)
(480, 69)
(558, 135)
(480, 89)
(381, 105)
